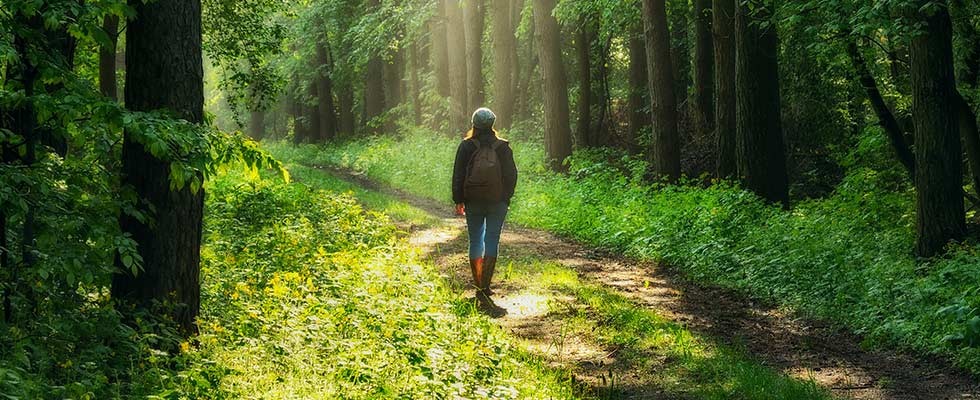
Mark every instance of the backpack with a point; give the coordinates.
(484, 178)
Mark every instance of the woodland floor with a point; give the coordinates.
(806, 349)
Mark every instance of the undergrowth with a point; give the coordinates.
(845, 258)
(308, 295)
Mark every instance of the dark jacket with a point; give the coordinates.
(504, 154)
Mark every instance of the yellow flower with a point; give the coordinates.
(185, 347)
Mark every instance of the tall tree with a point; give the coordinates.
(759, 137)
(938, 174)
(554, 85)
(374, 88)
(505, 62)
(439, 49)
(723, 25)
(703, 68)
(457, 66)
(474, 12)
(583, 50)
(639, 112)
(163, 70)
(324, 89)
(665, 154)
(107, 58)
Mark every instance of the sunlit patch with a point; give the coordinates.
(524, 305)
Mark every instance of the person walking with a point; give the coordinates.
(484, 180)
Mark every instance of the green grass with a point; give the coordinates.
(674, 359)
(308, 295)
(846, 258)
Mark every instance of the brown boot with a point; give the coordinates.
(488, 266)
(476, 267)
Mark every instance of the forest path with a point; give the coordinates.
(551, 326)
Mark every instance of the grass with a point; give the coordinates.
(846, 258)
(673, 358)
(697, 367)
(309, 295)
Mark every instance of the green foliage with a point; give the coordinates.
(309, 295)
(844, 258)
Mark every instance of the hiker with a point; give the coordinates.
(484, 178)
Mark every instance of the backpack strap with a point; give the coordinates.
(476, 142)
(496, 145)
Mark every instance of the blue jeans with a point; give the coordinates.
(484, 222)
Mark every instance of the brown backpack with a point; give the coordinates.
(484, 178)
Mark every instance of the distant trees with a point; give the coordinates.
(665, 154)
(554, 85)
(164, 70)
(505, 60)
(474, 12)
(458, 80)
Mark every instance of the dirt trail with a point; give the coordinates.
(802, 348)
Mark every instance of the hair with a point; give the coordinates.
(474, 131)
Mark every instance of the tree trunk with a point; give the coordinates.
(680, 46)
(256, 124)
(416, 65)
(374, 100)
(583, 126)
(759, 137)
(164, 70)
(440, 51)
(971, 139)
(522, 108)
(723, 25)
(504, 62)
(665, 154)
(554, 86)
(457, 67)
(393, 79)
(639, 113)
(938, 176)
(885, 117)
(107, 58)
(324, 89)
(474, 11)
(345, 98)
(703, 69)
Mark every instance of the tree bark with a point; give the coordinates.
(938, 175)
(583, 42)
(324, 90)
(723, 25)
(107, 59)
(416, 65)
(639, 113)
(703, 69)
(665, 154)
(345, 99)
(457, 67)
(256, 124)
(440, 51)
(164, 70)
(680, 46)
(557, 132)
(474, 12)
(522, 108)
(885, 117)
(759, 137)
(393, 79)
(504, 62)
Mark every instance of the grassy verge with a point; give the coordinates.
(845, 258)
(308, 295)
(672, 358)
